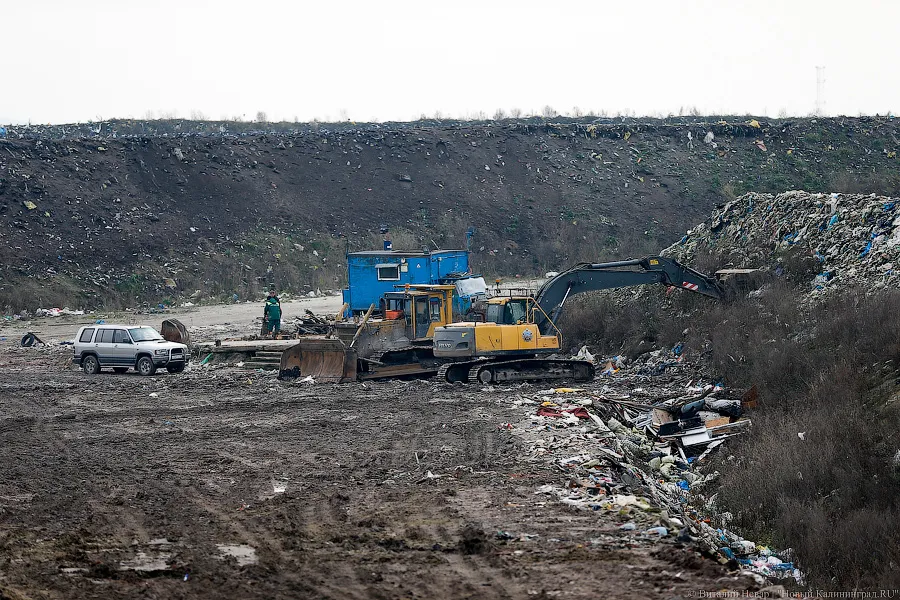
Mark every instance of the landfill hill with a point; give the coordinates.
(845, 239)
(128, 212)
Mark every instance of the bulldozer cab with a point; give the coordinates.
(510, 311)
(424, 307)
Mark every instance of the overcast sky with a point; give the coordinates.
(69, 61)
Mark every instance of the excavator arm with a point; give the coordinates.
(587, 277)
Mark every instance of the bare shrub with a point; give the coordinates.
(829, 371)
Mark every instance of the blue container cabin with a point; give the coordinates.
(372, 273)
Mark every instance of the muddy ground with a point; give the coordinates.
(226, 483)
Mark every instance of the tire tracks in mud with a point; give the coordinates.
(329, 485)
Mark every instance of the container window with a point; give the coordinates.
(388, 272)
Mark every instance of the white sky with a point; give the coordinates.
(68, 61)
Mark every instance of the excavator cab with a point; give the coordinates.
(509, 311)
(508, 328)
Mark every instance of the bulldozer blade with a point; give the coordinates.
(173, 330)
(326, 361)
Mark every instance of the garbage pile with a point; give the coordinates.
(854, 237)
(638, 446)
(56, 312)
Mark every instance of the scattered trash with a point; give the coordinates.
(29, 339)
(639, 451)
(584, 354)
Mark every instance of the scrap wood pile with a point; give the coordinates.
(638, 446)
(855, 238)
(311, 324)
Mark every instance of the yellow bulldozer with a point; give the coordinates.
(397, 343)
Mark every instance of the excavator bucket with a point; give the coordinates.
(326, 361)
(174, 331)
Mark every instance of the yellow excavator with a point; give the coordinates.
(517, 335)
(396, 344)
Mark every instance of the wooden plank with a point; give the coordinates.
(717, 422)
(246, 346)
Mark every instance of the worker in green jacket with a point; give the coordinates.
(272, 315)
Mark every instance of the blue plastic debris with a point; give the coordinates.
(832, 220)
(684, 485)
(866, 250)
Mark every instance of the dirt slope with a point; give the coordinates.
(111, 217)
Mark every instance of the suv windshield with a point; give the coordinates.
(144, 334)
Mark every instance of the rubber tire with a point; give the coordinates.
(120, 370)
(176, 368)
(485, 376)
(90, 365)
(28, 340)
(145, 366)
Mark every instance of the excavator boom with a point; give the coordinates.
(587, 277)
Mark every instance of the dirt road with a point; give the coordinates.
(204, 322)
(228, 484)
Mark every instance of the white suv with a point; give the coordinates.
(124, 347)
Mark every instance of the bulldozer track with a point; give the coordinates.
(384, 353)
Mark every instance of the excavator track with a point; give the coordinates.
(483, 372)
(531, 369)
(457, 371)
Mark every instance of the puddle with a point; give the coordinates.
(244, 554)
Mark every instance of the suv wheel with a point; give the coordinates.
(90, 364)
(145, 366)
